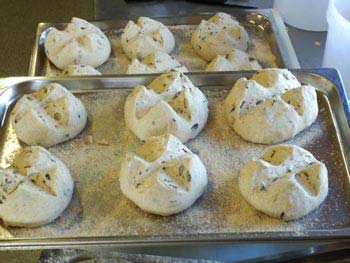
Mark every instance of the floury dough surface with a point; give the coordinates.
(98, 207)
(287, 182)
(157, 62)
(219, 35)
(79, 43)
(271, 107)
(48, 116)
(169, 104)
(184, 53)
(79, 70)
(145, 37)
(233, 61)
(163, 176)
(35, 190)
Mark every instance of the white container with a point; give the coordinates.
(304, 14)
(337, 52)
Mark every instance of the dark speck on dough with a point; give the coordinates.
(282, 215)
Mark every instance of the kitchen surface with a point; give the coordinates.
(18, 25)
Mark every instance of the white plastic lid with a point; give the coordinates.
(339, 12)
(304, 14)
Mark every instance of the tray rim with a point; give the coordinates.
(278, 27)
(193, 239)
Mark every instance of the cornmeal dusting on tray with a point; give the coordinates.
(69, 256)
(183, 52)
(99, 208)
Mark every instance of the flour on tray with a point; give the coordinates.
(99, 208)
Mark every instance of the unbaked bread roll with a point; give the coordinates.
(35, 189)
(219, 35)
(157, 62)
(170, 104)
(163, 177)
(146, 37)
(287, 182)
(270, 107)
(79, 43)
(79, 70)
(233, 61)
(48, 116)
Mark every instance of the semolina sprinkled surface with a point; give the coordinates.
(99, 208)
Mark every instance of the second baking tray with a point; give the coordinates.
(100, 214)
(270, 43)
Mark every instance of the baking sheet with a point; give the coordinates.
(270, 43)
(100, 213)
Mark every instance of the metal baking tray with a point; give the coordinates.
(270, 43)
(100, 215)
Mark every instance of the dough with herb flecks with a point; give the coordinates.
(270, 107)
(287, 182)
(169, 104)
(80, 70)
(158, 62)
(79, 43)
(163, 176)
(35, 190)
(48, 116)
(219, 35)
(146, 37)
(233, 61)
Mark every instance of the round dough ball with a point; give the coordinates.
(80, 43)
(79, 70)
(157, 62)
(163, 177)
(233, 61)
(48, 116)
(35, 190)
(170, 104)
(146, 37)
(270, 107)
(287, 182)
(219, 35)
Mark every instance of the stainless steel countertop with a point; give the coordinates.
(309, 53)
